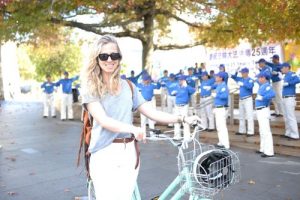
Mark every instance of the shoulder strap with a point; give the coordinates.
(131, 87)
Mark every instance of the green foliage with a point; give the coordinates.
(52, 56)
(55, 60)
(220, 23)
(256, 21)
(26, 68)
(229, 20)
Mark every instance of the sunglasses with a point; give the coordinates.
(113, 56)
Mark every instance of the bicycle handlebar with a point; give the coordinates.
(159, 135)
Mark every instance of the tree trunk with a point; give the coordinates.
(148, 46)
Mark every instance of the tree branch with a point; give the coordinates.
(171, 15)
(195, 25)
(108, 24)
(175, 46)
(95, 28)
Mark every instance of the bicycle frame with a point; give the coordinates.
(175, 184)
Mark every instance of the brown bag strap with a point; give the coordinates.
(87, 121)
(137, 150)
(136, 144)
(85, 117)
(131, 87)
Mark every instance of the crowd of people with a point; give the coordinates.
(276, 81)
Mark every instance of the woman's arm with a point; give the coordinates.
(163, 117)
(98, 113)
(147, 110)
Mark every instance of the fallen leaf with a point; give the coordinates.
(11, 193)
(13, 159)
(251, 182)
(81, 198)
(31, 173)
(67, 190)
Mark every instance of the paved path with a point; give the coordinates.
(37, 162)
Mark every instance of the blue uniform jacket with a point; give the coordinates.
(183, 94)
(291, 79)
(67, 84)
(247, 88)
(48, 87)
(177, 75)
(206, 87)
(163, 80)
(222, 93)
(198, 73)
(171, 86)
(266, 91)
(267, 69)
(275, 68)
(135, 78)
(226, 78)
(191, 80)
(147, 91)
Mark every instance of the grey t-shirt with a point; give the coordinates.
(118, 107)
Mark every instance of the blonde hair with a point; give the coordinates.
(92, 80)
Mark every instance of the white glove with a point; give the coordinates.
(259, 97)
(274, 73)
(240, 83)
(173, 92)
(184, 84)
(213, 94)
(285, 83)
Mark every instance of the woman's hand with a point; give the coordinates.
(191, 119)
(139, 133)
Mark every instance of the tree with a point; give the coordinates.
(55, 60)
(255, 21)
(52, 56)
(212, 22)
(137, 19)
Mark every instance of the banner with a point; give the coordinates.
(241, 56)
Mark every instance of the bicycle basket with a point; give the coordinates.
(205, 170)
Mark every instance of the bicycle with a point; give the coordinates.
(203, 169)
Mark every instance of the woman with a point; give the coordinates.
(109, 99)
